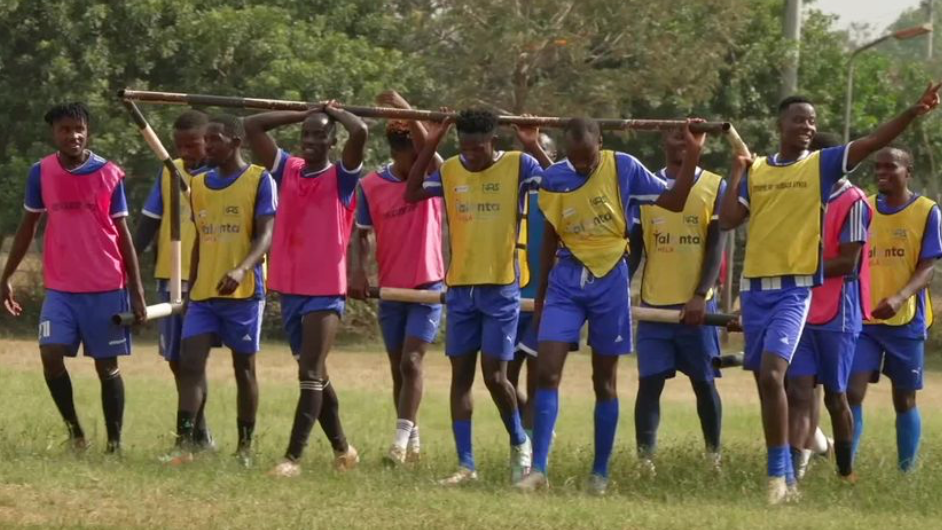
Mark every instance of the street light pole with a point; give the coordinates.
(903, 34)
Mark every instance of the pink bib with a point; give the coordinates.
(408, 235)
(312, 230)
(826, 298)
(80, 252)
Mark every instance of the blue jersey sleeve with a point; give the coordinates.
(744, 190)
(278, 169)
(433, 184)
(719, 200)
(363, 218)
(833, 167)
(638, 185)
(530, 173)
(266, 201)
(33, 201)
(154, 205)
(347, 182)
(857, 224)
(932, 237)
(119, 201)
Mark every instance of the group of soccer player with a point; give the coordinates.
(834, 286)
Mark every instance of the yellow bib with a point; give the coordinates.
(675, 242)
(785, 216)
(482, 221)
(187, 228)
(590, 221)
(895, 244)
(224, 222)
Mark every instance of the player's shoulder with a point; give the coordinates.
(555, 173)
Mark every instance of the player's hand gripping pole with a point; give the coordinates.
(174, 98)
(648, 314)
(176, 181)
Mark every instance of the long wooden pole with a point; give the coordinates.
(176, 98)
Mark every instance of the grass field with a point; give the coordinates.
(42, 484)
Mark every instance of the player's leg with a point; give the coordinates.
(698, 347)
(410, 369)
(60, 388)
(200, 431)
(868, 359)
(105, 342)
(604, 379)
(112, 399)
(243, 365)
(58, 339)
(193, 355)
(514, 369)
(549, 370)
(462, 342)
(657, 362)
(801, 398)
(330, 421)
(317, 334)
(904, 366)
(836, 363)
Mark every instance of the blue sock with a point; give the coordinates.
(790, 456)
(545, 410)
(606, 422)
(908, 433)
(777, 461)
(462, 431)
(514, 426)
(857, 411)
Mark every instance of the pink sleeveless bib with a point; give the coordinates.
(826, 298)
(80, 252)
(408, 235)
(312, 230)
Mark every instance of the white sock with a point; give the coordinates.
(403, 430)
(414, 437)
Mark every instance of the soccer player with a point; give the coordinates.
(783, 197)
(89, 267)
(188, 139)
(683, 254)
(408, 255)
(586, 198)
(233, 207)
(826, 349)
(905, 245)
(309, 258)
(484, 191)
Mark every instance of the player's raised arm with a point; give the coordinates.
(733, 212)
(418, 131)
(355, 146)
(675, 198)
(264, 148)
(24, 236)
(437, 131)
(861, 148)
(529, 137)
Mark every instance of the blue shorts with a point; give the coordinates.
(398, 320)
(826, 354)
(170, 331)
(772, 321)
(295, 306)
(902, 358)
(482, 318)
(575, 296)
(70, 319)
(237, 324)
(526, 334)
(663, 349)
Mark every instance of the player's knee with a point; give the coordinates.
(410, 368)
(53, 363)
(904, 401)
(107, 368)
(494, 380)
(771, 379)
(800, 397)
(836, 402)
(244, 370)
(605, 388)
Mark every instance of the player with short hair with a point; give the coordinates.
(233, 206)
(309, 258)
(154, 227)
(89, 267)
(905, 245)
(683, 253)
(408, 256)
(484, 191)
(783, 197)
(586, 198)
